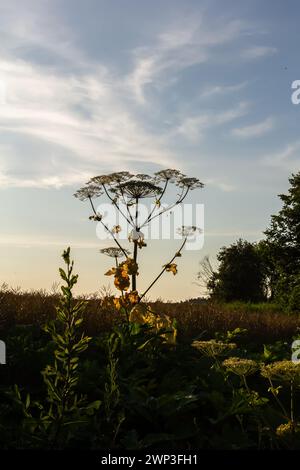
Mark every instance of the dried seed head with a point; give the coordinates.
(88, 192)
(168, 175)
(282, 371)
(213, 348)
(189, 183)
(188, 231)
(135, 189)
(240, 366)
(111, 178)
(114, 252)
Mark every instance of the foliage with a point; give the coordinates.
(52, 420)
(240, 275)
(283, 243)
(133, 387)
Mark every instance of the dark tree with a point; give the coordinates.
(283, 242)
(240, 275)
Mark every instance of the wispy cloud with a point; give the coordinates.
(192, 128)
(222, 185)
(189, 43)
(83, 116)
(288, 158)
(236, 234)
(66, 116)
(254, 130)
(258, 52)
(31, 242)
(217, 90)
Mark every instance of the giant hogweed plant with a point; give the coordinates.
(125, 191)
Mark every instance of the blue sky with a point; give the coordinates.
(99, 86)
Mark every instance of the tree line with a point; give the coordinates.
(268, 270)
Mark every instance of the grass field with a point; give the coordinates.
(126, 386)
(264, 322)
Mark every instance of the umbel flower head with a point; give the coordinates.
(136, 189)
(111, 178)
(288, 429)
(114, 252)
(213, 348)
(240, 366)
(168, 175)
(188, 230)
(88, 192)
(135, 186)
(282, 371)
(143, 177)
(189, 183)
(95, 186)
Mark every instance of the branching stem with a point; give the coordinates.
(163, 270)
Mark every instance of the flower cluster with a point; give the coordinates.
(137, 186)
(114, 252)
(188, 230)
(112, 178)
(282, 371)
(213, 348)
(240, 366)
(88, 192)
(189, 183)
(167, 175)
(136, 189)
(287, 429)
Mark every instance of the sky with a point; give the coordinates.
(93, 87)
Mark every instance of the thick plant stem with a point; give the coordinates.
(245, 383)
(285, 414)
(135, 251)
(135, 259)
(292, 402)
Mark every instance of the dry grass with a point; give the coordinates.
(193, 319)
(207, 318)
